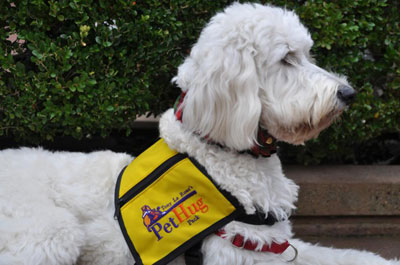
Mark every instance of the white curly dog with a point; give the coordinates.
(250, 68)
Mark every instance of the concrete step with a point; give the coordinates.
(387, 247)
(346, 226)
(355, 207)
(347, 190)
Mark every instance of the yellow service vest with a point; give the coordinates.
(166, 203)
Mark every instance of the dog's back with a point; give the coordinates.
(47, 197)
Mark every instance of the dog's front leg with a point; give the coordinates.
(309, 254)
(220, 252)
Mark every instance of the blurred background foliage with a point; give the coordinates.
(85, 68)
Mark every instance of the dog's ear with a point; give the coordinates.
(222, 100)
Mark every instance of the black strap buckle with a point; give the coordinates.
(194, 256)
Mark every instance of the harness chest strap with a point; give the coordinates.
(238, 241)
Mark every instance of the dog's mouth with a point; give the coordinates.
(305, 131)
(326, 121)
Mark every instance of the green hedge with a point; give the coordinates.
(82, 68)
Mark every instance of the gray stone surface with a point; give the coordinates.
(355, 207)
(387, 247)
(346, 226)
(347, 190)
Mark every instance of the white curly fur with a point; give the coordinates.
(253, 62)
(250, 66)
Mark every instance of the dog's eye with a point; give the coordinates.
(285, 61)
(288, 59)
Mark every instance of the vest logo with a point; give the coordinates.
(178, 210)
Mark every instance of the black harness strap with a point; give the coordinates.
(194, 256)
(258, 218)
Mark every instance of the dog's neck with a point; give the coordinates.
(264, 146)
(256, 183)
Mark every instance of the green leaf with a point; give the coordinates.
(37, 54)
(68, 54)
(107, 44)
(20, 67)
(92, 82)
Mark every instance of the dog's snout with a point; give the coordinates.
(346, 94)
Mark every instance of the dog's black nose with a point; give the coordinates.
(346, 94)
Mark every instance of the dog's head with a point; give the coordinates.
(252, 67)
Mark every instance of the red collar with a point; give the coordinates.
(178, 108)
(239, 242)
(265, 145)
